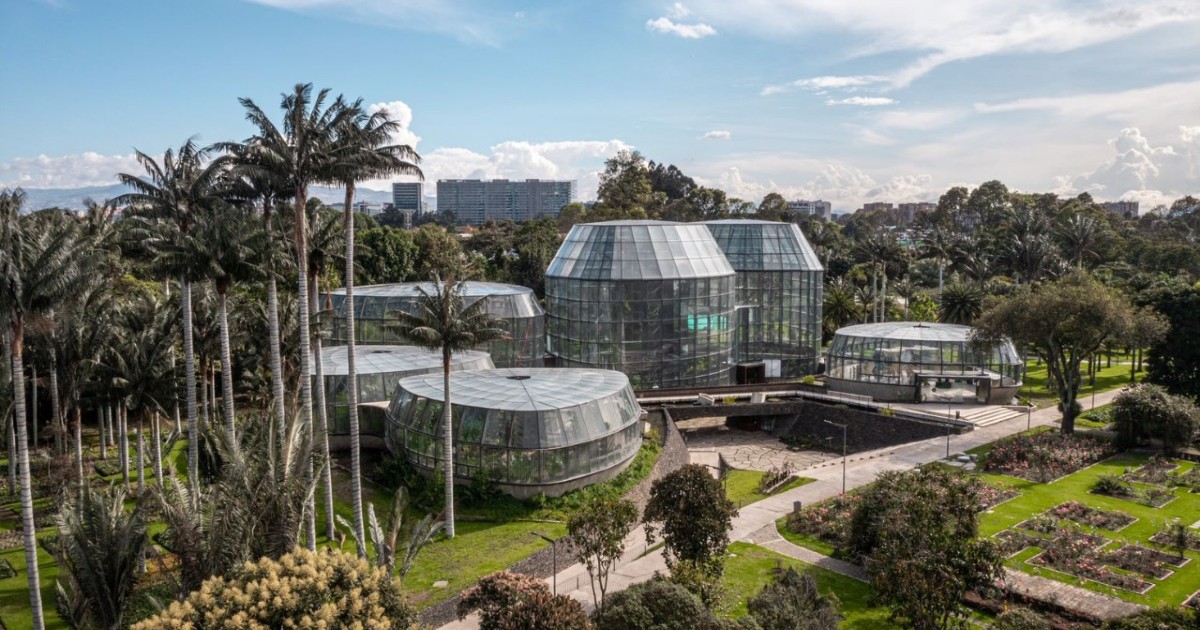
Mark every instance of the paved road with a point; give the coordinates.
(860, 469)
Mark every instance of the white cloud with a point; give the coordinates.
(716, 134)
(862, 101)
(678, 11)
(822, 84)
(845, 186)
(402, 114)
(940, 32)
(474, 21)
(686, 31)
(67, 171)
(918, 119)
(1138, 170)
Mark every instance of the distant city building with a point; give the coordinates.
(366, 207)
(818, 208)
(475, 201)
(880, 206)
(407, 197)
(1121, 208)
(909, 211)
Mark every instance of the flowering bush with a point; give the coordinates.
(1010, 542)
(1087, 515)
(991, 496)
(1154, 471)
(827, 521)
(1074, 552)
(1138, 559)
(1045, 456)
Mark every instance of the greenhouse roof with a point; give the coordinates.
(754, 245)
(639, 250)
(387, 359)
(914, 331)
(521, 389)
(470, 288)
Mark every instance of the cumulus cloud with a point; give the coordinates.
(821, 85)
(716, 134)
(66, 171)
(845, 186)
(862, 101)
(402, 114)
(1141, 171)
(686, 31)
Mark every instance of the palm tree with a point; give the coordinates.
(938, 244)
(1078, 235)
(442, 322)
(960, 304)
(174, 194)
(839, 307)
(83, 329)
(298, 155)
(365, 154)
(39, 268)
(100, 544)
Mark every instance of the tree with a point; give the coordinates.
(919, 529)
(1063, 323)
(100, 545)
(658, 604)
(839, 308)
(326, 588)
(688, 507)
(960, 304)
(792, 602)
(1148, 411)
(1019, 619)
(598, 530)
(439, 253)
(390, 256)
(1078, 235)
(443, 322)
(39, 268)
(512, 601)
(773, 207)
(1156, 619)
(1173, 363)
(626, 190)
(172, 195)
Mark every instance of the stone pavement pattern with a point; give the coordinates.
(637, 566)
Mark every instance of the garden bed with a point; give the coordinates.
(1094, 517)
(1155, 472)
(1148, 562)
(1162, 538)
(827, 521)
(1046, 456)
(1011, 542)
(11, 538)
(991, 496)
(1193, 602)
(1074, 553)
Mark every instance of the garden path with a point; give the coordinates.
(637, 565)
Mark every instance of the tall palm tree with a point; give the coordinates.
(839, 307)
(299, 154)
(83, 328)
(443, 322)
(960, 304)
(937, 243)
(365, 154)
(174, 193)
(39, 268)
(1078, 235)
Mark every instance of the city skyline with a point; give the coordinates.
(849, 102)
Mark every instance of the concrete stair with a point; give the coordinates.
(990, 415)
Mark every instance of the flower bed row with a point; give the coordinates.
(1155, 471)
(827, 521)
(1011, 542)
(1088, 515)
(1074, 552)
(991, 496)
(1045, 456)
(1120, 488)
(1148, 562)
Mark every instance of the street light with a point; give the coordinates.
(843, 428)
(554, 554)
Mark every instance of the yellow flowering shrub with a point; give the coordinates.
(323, 590)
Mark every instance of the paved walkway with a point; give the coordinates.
(751, 450)
(751, 521)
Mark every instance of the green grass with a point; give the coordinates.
(804, 540)
(741, 486)
(751, 567)
(1036, 381)
(14, 591)
(1036, 498)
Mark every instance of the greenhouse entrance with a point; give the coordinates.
(955, 388)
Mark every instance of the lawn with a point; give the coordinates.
(1036, 381)
(749, 567)
(741, 486)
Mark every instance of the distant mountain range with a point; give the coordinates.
(38, 198)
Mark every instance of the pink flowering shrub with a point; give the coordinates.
(827, 521)
(1045, 456)
(1087, 515)
(1074, 552)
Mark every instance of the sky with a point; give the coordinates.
(844, 100)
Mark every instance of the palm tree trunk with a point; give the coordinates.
(12, 453)
(226, 365)
(323, 441)
(78, 422)
(306, 406)
(273, 326)
(141, 458)
(28, 526)
(941, 268)
(33, 416)
(360, 529)
(103, 411)
(55, 411)
(112, 435)
(212, 391)
(123, 426)
(156, 438)
(447, 443)
(189, 370)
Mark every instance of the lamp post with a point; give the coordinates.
(843, 428)
(554, 555)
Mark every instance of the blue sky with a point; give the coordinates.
(844, 100)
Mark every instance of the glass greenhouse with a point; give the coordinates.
(537, 430)
(921, 362)
(653, 299)
(379, 369)
(779, 288)
(376, 305)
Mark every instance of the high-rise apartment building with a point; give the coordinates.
(817, 208)
(909, 211)
(1121, 208)
(475, 201)
(407, 197)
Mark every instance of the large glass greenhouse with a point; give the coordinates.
(376, 306)
(379, 369)
(921, 362)
(536, 430)
(779, 282)
(653, 299)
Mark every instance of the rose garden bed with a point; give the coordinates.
(1011, 542)
(1193, 601)
(1074, 552)
(1148, 562)
(828, 521)
(1094, 517)
(1155, 472)
(1046, 456)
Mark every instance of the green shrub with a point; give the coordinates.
(1112, 485)
(792, 602)
(1019, 619)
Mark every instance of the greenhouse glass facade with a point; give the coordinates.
(533, 430)
(379, 369)
(653, 299)
(779, 287)
(376, 306)
(921, 362)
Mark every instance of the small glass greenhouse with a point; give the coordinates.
(921, 362)
(376, 305)
(535, 430)
(379, 369)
